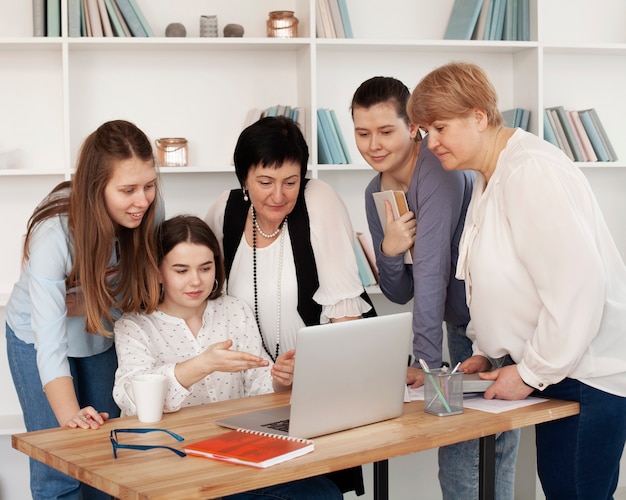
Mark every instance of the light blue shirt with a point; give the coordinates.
(36, 310)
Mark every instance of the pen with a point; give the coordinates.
(455, 368)
(432, 381)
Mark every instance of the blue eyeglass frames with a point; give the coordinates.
(117, 445)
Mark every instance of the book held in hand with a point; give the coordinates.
(256, 449)
(399, 207)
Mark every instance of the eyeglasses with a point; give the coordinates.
(117, 445)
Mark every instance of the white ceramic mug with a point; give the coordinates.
(149, 396)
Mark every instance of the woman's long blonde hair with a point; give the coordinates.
(135, 286)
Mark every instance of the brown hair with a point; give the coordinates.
(92, 231)
(454, 90)
(191, 229)
(382, 90)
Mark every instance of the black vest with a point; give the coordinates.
(235, 216)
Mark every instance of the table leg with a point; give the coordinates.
(381, 480)
(487, 468)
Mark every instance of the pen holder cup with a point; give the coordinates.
(443, 393)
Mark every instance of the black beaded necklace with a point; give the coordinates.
(255, 228)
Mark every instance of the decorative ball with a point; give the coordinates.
(233, 30)
(176, 30)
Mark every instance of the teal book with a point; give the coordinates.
(116, 23)
(603, 135)
(524, 118)
(53, 17)
(509, 117)
(342, 142)
(489, 21)
(345, 18)
(510, 20)
(73, 17)
(142, 18)
(131, 18)
(365, 271)
(497, 25)
(548, 133)
(523, 20)
(331, 137)
(323, 151)
(569, 133)
(481, 23)
(463, 19)
(594, 135)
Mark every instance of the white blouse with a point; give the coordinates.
(545, 282)
(155, 343)
(332, 239)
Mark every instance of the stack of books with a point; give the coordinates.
(333, 20)
(489, 20)
(297, 114)
(579, 134)
(517, 118)
(331, 146)
(95, 18)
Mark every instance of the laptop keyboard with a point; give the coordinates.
(280, 425)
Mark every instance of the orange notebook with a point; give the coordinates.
(256, 449)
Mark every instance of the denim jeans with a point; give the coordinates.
(458, 463)
(313, 488)
(93, 381)
(579, 457)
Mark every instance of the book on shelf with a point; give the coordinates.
(326, 20)
(577, 137)
(342, 142)
(74, 8)
(142, 18)
(104, 18)
(335, 14)
(365, 243)
(463, 18)
(510, 20)
(399, 206)
(594, 136)
(117, 21)
(252, 448)
(323, 149)
(481, 22)
(331, 136)
(94, 18)
(366, 274)
(579, 128)
(496, 25)
(345, 19)
(548, 131)
(516, 117)
(560, 134)
(523, 22)
(53, 17)
(603, 135)
(569, 132)
(39, 17)
(131, 18)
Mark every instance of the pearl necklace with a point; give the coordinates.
(261, 232)
(278, 283)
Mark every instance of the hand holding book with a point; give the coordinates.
(398, 223)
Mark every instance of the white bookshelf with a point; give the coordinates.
(57, 90)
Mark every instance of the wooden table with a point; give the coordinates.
(160, 474)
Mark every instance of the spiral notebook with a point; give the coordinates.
(256, 449)
(346, 375)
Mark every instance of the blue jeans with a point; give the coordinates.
(579, 457)
(458, 463)
(93, 382)
(313, 488)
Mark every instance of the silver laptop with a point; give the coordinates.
(346, 374)
(473, 383)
